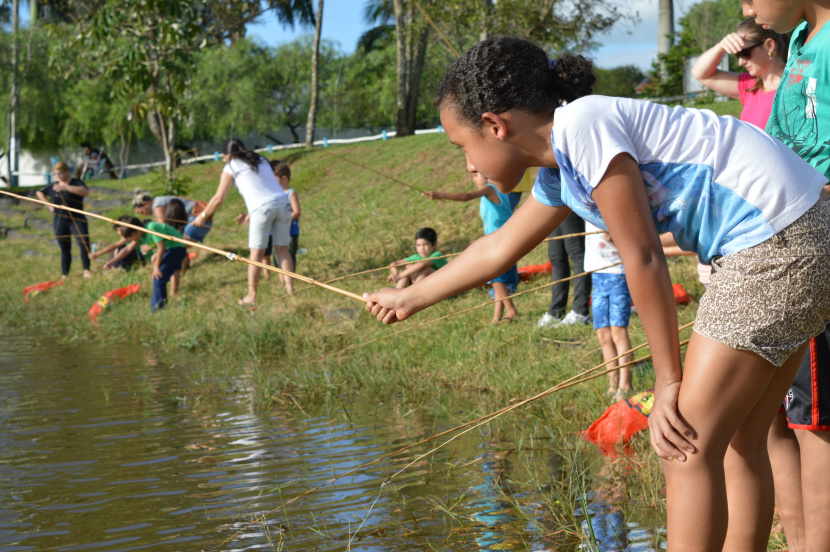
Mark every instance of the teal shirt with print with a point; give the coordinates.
(161, 228)
(436, 264)
(800, 114)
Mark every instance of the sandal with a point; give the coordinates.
(622, 394)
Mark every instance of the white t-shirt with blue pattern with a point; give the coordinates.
(717, 184)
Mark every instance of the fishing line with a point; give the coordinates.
(372, 507)
(226, 254)
(392, 178)
(490, 417)
(280, 298)
(570, 382)
(437, 30)
(357, 346)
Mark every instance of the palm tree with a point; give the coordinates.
(411, 34)
(665, 34)
(315, 58)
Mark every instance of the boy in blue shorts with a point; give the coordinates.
(611, 307)
(426, 239)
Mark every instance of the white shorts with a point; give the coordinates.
(272, 217)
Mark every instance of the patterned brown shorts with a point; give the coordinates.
(773, 297)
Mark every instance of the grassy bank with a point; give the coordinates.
(288, 351)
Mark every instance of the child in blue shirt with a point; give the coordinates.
(738, 198)
(495, 208)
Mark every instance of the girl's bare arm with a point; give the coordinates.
(295, 206)
(111, 247)
(462, 196)
(621, 199)
(122, 254)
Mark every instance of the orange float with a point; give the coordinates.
(110, 297)
(31, 291)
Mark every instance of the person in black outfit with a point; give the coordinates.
(558, 252)
(70, 192)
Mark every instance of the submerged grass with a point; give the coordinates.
(284, 353)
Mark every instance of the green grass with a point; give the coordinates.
(353, 220)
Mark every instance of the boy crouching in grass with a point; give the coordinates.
(426, 239)
(166, 261)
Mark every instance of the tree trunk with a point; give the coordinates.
(487, 13)
(403, 67)
(170, 150)
(411, 52)
(155, 124)
(665, 34)
(414, 82)
(13, 146)
(315, 60)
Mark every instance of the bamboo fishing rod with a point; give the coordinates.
(226, 254)
(450, 315)
(570, 382)
(352, 275)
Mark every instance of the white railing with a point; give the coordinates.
(217, 156)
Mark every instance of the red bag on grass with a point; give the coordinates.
(620, 422)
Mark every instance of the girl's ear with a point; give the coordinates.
(494, 125)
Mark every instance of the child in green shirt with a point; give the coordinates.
(166, 261)
(426, 240)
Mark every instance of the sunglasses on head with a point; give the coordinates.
(746, 53)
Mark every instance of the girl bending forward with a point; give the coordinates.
(735, 196)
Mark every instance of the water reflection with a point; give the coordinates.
(98, 452)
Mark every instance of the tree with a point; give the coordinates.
(226, 21)
(251, 88)
(619, 81)
(14, 95)
(704, 25)
(315, 89)
(411, 34)
(557, 25)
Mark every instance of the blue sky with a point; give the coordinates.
(625, 44)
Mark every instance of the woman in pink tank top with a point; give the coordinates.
(762, 52)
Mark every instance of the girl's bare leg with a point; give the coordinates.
(609, 351)
(815, 486)
(499, 291)
(785, 458)
(286, 264)
(729, 398)
(619, 334)
(253, 276)
(267, 273)
(174, 282)
(749, 482)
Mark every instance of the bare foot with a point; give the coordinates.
(87, 274)
(247, 300)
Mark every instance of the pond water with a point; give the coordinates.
(101, 451)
